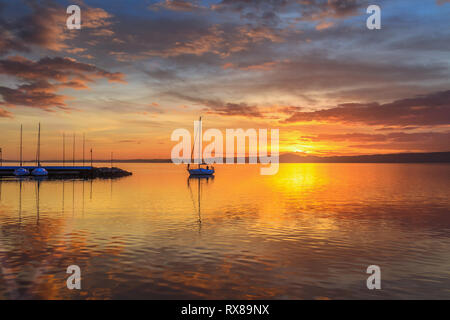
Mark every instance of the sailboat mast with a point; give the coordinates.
(39, 146)
(20, 152)
(64, 149)
(73, 151)
(84, 142)
(200, 142)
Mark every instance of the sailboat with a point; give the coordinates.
(201, 170)
(21, 171)
(39, 171)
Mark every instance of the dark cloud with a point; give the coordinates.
(308, 78)
(265, 12)
(390, 137)
(38, 95)
(425, 110)
(322, 9)
(43, 78)
(9, 43)
(234, 109)
(167, 37)
(219, 40)
(162, 74)
(269, 11)
(58, 68)
(45, 27)
(314, 71)
(216, 106)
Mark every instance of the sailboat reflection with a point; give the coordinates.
(20, 201)
(63, 192)
(38, 188)
(200, 181)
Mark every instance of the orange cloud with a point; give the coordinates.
(220, 42)
(324, 25)
(228, 65)
(5, 113)
(46, 27)
(263, 66)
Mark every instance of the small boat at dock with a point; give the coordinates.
(69, 172)
(56, 172)
(39, 171)
(21, 171)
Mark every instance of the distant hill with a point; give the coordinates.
(431, 157)
(375, 158)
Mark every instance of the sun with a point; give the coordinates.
(303, 149)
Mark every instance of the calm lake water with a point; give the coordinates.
(309, 232)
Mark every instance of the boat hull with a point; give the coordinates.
(39, 172)
(19, 172)
(201, 172)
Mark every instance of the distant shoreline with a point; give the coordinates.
(431, 157)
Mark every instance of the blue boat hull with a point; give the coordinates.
(201, 172)
(21, 172)
(39, 172)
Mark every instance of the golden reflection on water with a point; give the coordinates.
(308, 232)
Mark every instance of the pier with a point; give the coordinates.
(71, 171)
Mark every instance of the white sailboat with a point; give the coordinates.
(201, 170)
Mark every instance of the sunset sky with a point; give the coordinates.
(137, 70)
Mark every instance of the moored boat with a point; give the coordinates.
(203, 169)
(20, 172)
(39, 171)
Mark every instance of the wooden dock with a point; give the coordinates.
(71, 171)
